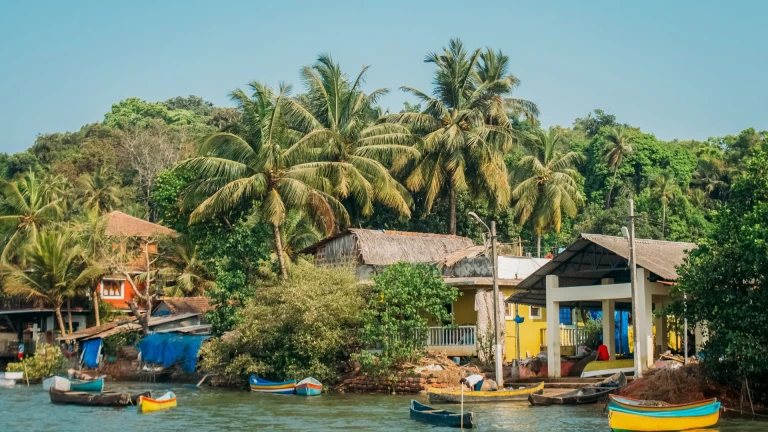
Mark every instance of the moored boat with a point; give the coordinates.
(89, 399)
(621, 419)
(436, 417)
(309, 387)
(584, 395)
(56, 382)
(263, 386)
(135, 397)
(164, 402)
(655, 406)
(505, 395)
(95, 385)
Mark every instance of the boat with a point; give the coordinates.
(436, 417)
(7, 382)
(585, 395)
(12, 375)
(609, 367)
(56, 382)
(263, 386)
(135, 398)
(309, 387)
(164, 402)
(654, 406)
(621, 419)
(112, 399)
(95, 385)
(505, 395)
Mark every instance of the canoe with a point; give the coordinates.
(96, 385)
(13, 375)
(610, 367)
(309, 387)
(429, 415)
(56, 382)
(653, 406)
(505, 395)
(585, 395)
(620, 419)
(7, 382)
(164, 402)
(263, 386)
(90, 399)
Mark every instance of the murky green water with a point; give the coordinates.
(29, 409)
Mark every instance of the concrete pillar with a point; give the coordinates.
(609, 327)
(700, 335)
(553, 327)
(644, 330)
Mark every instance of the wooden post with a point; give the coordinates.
(633, 285)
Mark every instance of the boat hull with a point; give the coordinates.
(637, 405)
(586, 395)
(429, 415)
(620, 419)
(89, 399)
(259, 385)
(96, 385)
(309, 387)
(512, 395)
(147, 405)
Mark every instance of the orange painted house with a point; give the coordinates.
(129, 232)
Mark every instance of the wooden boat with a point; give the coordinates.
(585, 395)
(89, 399)
(309, 387)
(263, 386)
(610, 367)
(96, 385)
(654, 406)
(429, 415)
(505, 395)
(620, 419)
(56, 382)
(164, 402)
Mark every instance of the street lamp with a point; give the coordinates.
(495, 265)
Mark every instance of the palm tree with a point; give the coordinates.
(464, 128)
(98, 191)
(334, 120)
(618, 145)
(708, 176)
(233, 172)
(188, 273)
(664, 188)
(546, 183)
(89, 229)
(27, 206)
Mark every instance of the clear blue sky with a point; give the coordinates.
(682, 69)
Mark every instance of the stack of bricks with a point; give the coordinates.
(405, 384)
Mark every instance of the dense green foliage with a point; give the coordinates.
(47, 361)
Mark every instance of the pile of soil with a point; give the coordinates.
(683, 385)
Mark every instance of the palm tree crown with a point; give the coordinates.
(664, 188)
(618, 145)
(98, 191)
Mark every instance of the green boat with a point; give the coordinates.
(96, 385)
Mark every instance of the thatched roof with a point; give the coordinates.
(594, 257)
(385, 247)
(120, 224)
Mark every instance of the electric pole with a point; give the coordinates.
(495, 258)
(633, 290)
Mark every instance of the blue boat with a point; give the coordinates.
(96, 385)
(437, 417)
(309, 387)
(263, 386)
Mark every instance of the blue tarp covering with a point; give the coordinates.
(169, 349)
(91, 352)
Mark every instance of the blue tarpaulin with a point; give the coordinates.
(91, 352)
(169, 349)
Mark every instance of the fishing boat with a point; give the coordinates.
(89, 399)
(586, 395)
(655, 406)
(164, 402)
(56, 382)
(309, 387)
(436, 417)
(621, 419)
(505, 395)
(263, 386)
(95, 385)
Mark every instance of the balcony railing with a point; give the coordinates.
(452, 336)
(572, 336)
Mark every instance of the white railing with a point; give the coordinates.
(452, 336)
(572, 336)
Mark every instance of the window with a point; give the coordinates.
(535, 312)
(112, 288)
(565, 316)
(510, 314)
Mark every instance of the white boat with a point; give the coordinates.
(13, 375)
(56, 382)
(7, 382)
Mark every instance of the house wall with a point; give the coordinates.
(78, 321)
(119, 302)
(338, 251)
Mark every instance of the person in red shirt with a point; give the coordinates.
(602, 353)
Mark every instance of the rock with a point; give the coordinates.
(489, 385)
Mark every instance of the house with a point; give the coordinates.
(594, 273)
(180, 305)
(370, 250)
(129, 233)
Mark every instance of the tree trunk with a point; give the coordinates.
(452, 223)
(538, 245)
(610, 191)
(143, 319)
(96, 306)
(69, 314)
(279, 251)
(60, 319)
(663, 220)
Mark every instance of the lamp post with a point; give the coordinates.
(495, 265)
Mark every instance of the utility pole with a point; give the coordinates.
(633, 285)
(495, 258)
(685, 327)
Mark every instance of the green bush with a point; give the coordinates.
(47, 361)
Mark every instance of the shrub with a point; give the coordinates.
(47, 361)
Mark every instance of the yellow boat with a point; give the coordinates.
(641, 405)
(147, 405)
(504, 395)
(621, 419)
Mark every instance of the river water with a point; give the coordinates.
(29, 409)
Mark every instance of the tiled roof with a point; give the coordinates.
(179, 305)
(120, 224)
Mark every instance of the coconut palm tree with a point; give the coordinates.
(464, 128)
(89, 229)
(232, 172)
(618, 145)
(708, 176)
(98, 191)
(187, 273)
(334, 119)
(545, 183)
(664, 188)
(27, 206)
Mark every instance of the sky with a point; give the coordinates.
(682, 69)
